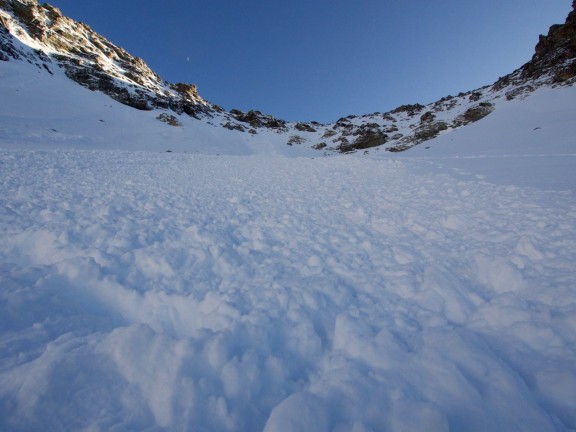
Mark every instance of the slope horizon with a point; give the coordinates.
(282, 73)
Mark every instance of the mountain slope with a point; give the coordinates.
(166, 292)
(227, 287)
(40, 35)
(91, 60)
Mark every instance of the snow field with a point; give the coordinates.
(42, 111)
(163, 291)
(526, 142)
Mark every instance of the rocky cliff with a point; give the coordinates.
(90, 59)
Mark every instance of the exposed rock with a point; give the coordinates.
(555, 53)
(429, 130)
(366, 139)
(169, 119)
(445, 104)
(560, 37)
(296, 139)
(521, 91)
(474, 96)
(53, 12)
(411, 110)
(7, 48)
(473, 114)
(329, 133)
(188, 91)
(258, 120)
(367, 126)
(26, 12)
(252, 118)
(343, 122)
(304, 127)
(427, 117)
(398, 148)
(3, 24)
(565, 73)
(369, 139)
(234, 126)
(96, 80)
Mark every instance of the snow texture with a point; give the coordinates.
(226, 287)
(168, 291)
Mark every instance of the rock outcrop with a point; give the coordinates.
(555, 52)
(91, 60)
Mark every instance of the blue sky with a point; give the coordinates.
(320, 60)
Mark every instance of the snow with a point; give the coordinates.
(224, 286)
(529, 143)
(172, 291)
(39, 110)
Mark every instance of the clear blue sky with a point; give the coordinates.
(323, 59)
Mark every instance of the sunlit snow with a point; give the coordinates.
(225, 287)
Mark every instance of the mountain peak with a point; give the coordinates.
(94, 62)
(555, 53)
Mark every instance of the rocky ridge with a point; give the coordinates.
(89, 59)
(42, 36)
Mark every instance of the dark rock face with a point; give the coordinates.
(7, 48)
(555, 53)
(369, 139)
(560, 37)
(26, 13)
(428, 131)
(412, 110)
(424, 132)
(234, 126)
(97, 80)
(169, 119)
(365, 137)
(258, 120)
(473, 114)
(427, 117)
(304, 127)
(296, 139)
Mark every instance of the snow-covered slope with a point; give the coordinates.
(194, 278)
(50, 111)
(163, 291)
(40, 39)
(529, 142)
